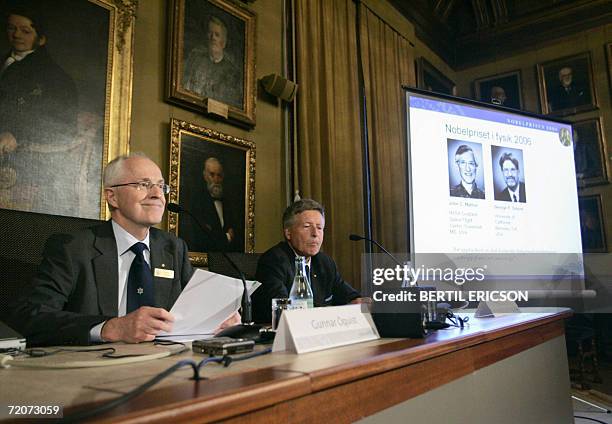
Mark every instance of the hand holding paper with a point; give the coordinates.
(205, 304)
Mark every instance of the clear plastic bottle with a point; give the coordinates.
(301, 292)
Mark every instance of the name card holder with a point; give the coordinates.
(309, 330)
(496, 308)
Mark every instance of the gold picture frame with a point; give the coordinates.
(501, 89)
(200, 158)
(566, 85)
(211, 65)
(431, 79)
(592, 224)
(87, 89)
(590, 153)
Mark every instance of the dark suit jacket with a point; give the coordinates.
(504, 195)
(38, 100)
(38, 105)
(76, 286)
(275, 272)
(203, 207)
(575, 96)
(460, 191)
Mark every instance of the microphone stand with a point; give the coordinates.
(355, 237)
(395, 323)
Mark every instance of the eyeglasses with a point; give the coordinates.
(146, 186)
(463, 163)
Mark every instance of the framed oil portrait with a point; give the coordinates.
(211, 65)
(212, 177)
(566, 85)
(430, 78)
(589, 153)
(501, 89)
(64, 106)
(592, 225)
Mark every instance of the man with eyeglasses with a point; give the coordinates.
(467, 166)
(515, 188)
(115, 281)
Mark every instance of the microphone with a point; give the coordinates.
(247, 326)
(176, 208)
(355, 237)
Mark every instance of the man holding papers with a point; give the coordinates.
(115, 281)
(303, 226)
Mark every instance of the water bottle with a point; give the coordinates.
(301, 292)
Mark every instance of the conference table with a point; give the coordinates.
(508, 369)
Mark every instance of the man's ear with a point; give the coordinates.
(42, 40)
(287, 234)
(111, 198)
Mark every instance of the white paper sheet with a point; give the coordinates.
(205, 302)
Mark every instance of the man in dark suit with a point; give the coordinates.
(83, 291)
(567, 94)
(213, 212)
(210, 72)
(303, 226)
(38, 118)
(515, 188)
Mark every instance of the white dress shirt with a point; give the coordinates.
(14, 57)
(125, 257)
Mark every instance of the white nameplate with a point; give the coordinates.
(494, 309)
(309, 330)
(163, 273)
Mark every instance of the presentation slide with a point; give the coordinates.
(485, 180)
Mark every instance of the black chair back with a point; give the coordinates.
(22, 240)
(246, 262)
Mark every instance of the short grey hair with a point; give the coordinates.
(114, 169)
(212, 159)
(298, 207)
(217, 21)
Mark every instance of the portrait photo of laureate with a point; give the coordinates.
(214, 69)
(507, 164)
(463, 162)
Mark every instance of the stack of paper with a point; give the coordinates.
(206, 301)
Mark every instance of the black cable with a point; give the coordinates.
(131, 394)
(226, 360)
(38, 353)
(171, 343)
(111, 355)
(590, 419)
(456, 320)
(436, 325)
